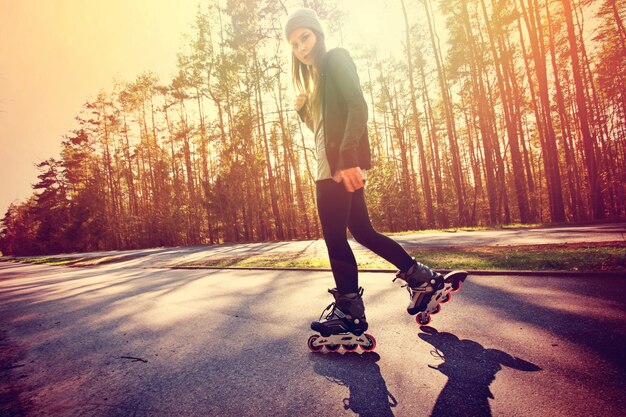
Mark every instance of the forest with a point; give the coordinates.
(511, 111)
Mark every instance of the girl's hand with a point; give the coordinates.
(300, 100)
(352, 178)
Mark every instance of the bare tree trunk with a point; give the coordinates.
(573, 190)
(294, 162)
(597, 202)
(548, 138)
(457, 174)
(404, 168)
(431, 128)
(430, 218)
(481, 106)
(280, 233)
(506, 77)
(376, 137)
(113, 218)
(129, 172)
(191, 190)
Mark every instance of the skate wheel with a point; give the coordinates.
(350, 348)
(312, 340)
(437, 309)
(446, 299)
(422, 319)
(332, 348)
(456, 285)
(371, 343)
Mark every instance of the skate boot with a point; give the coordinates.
(344, 325)
(428, 289)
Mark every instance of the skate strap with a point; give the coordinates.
(330, 307)
(406, 284)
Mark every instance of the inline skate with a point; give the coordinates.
(344, 325)
(428, 289)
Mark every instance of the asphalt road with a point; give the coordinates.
(118, 341)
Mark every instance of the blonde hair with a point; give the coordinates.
(307, 79)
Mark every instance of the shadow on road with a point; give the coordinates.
(587, 313)
(470, 369)
(369, 396)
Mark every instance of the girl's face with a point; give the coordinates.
(302, 41)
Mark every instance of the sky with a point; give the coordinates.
(57, 54)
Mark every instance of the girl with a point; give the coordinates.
(332, 105)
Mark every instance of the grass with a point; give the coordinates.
(47, 260)
(469, 229)
(605, 256)
(601, 256)
(68, 260)
(566, 257)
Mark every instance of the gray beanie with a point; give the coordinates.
(303, 18)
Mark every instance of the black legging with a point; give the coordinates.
(338, 209)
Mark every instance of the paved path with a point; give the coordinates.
(118, 341)
(167, 257)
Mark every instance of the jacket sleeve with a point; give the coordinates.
(342, 70)
(305, 118)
